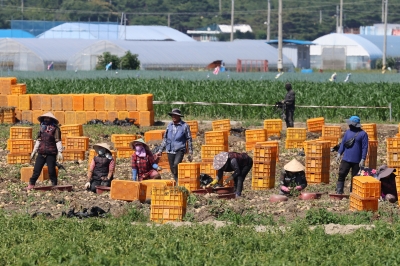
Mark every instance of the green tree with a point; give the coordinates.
(106, 58)
(130, 61)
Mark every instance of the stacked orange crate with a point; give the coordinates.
(218, 138)
(80, 117)
(317, 161)
(36, 102)
(264, 167)
(125, 190)
(371, 131)
(221, 125)
(253, 136)
(315, 124)
(18, 89)
(88, 102)
(273, 143)
(102, 115)
(24, 102)
(188, 175)
(146, 118)
(131, 101)
(60, 117)
(69, 117)
(194, 127)
(164, 163)
(168, 204)
(35, 115)
(121, 144)
(154, 135)
(295, 138)
(109, 102)
(365, 193)
(91, 115)
(20, 145)
(27, 172)
(209, 151)
(332, 134)
(144, 104)
(134, 115)
(3, 101)
(120, 103)
(146, 187)
(46, 103)
(26, 115)
(273, 127)
(393, 155)
(372, 154)
(99, 103)
(71, 136)
(123, 115)
(67, 102)
(78, 102)
(56, 103)
(112, 115)
(8, 115)
(6, 84)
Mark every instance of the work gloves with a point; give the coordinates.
(299, 188)
(87, 185)
(190, 158)
(59, 149)
(285, 189)
(35, 149)
(337, 158)
(362, 163)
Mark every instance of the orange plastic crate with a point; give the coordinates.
(78, 102)
(80, 117)
(88, 102)
(154, 135)
(293, 133)
(4, 101)
(18, 158)
(91, 115)
(13, 100)
(112, 115)
(273, 143)
(46, 102)
(372, 154)
(56, 103)
(60, 117)
(315, 124)
(9, 115)
(331, 131)
(146, 188)
(216, 137)
(366, 187)
(146, 118)
(273, 125)
(20, 133)
(294, 144)
(231, 183)
(393, 144)
(317, 178)
(69, 117)
(207, 168)
(188, 170)
(36, 101)
(359, 204)
(27, 115)
(332, 140)
(27, 172)
(264, 153)
(123, 114)
(21, 145)
(264, 169)
(131, 101)
(393, 159)
(122, 140)
(67, 102)
(224, 124)
(125, 190)
(263, 183)
(99, 103)
(161, 214)
(317, 148)
(109, 102)
(194, 126)
(250, 145)
(76, 143)
(316, 165)
(168, 196)
(6, 83)
(35, 115)
(124, 152)
(255, 135)
(144, 102)
(18, 89)
(18, 116)
(135, 115)
(102, 115)
(73, 155)
(209, 151)
(371, 131)
(120, 103)
(24, 102)
(189, 183)
(74, 130)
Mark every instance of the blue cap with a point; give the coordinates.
(354, 121)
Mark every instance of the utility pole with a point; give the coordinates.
(385, 36)
(337, 19)
(232, 19)
(22, 6)
(320, 17)
(269, 20)
(169, 19)
(220, 6)
(383, 11)
(280, 63)
(341, 17)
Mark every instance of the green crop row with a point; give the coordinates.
(242, 92)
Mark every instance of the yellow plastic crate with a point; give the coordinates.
(46, 102)
(124, 152)
(209, 151)
(264, 169)
(188, 170)
(154, 135)
(366, 187)
(18, 158)
(146, 118)
(317, 165)
(144, 102)
(315, 124)
(76, 143)
(56, 103)
(124, 190)
(371, 130)
(294, 144)
(207, 168)
(123, 114)
(216, 137)
(273, 143)
(78, 102)
(293, 133)
(264, 153)
(24, 102)
(273, 125)
(161, 214)
(36, 101)
(146, 187)
(359, 204)
(122, 140)
(69, 117)
(317, 178)
(131, 101)
(18, 89)
(331, 131)
(120, 103)
(256, 135)
(21, 145)
(393, 144)
(263, 183)
(74, 130)
(67, 102)
(168, 196)
(223, 124)
(80, 117)
(74, 155)
(20, 133)
(88, 102)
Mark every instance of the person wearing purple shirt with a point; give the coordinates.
(355, 155)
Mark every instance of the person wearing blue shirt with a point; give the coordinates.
(355, 153)
(174, 142)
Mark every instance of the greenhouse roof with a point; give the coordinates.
(297, 42)
(15, 34)
(392, 47)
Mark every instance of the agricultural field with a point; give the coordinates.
(245, 231)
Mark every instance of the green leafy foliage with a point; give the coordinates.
(322, 216)
(106, 58)
(130, 61)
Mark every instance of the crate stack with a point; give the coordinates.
(372, 155)
(164, 163)
(365, 194)
(27, 172)
(317, 161)
(393, 154)
(194, 127)
(126, 190)
(146, 187)
(273, 127)
(331, 134)
(156, 134)
(273, 143)
(74, 143)
(168, 204)
(295, 138)
(264, 167)
(188, 176)
(121, 144)
(221, 125)
(20, 145)
(253, 136)
(371, 130)
(10, 91)
(315, 124)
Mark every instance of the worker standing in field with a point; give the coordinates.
(101, 168)
(238, 163)
(144, 163)
(48, 146)
(292, 178)
(354, 145)
(289, 102)
(175, 138)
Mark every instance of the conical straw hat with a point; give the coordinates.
(48, 114)
(294, 166)
(220, 160)
(97, 146)
(132, 144)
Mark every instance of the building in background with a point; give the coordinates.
(297, 51)
(379, 29)
(212, 32)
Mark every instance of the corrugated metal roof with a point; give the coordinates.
(152, 33)
(15, 34)
(298, 42)
(240, 27)
(392, 44)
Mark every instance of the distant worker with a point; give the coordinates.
(238, 163)
(289, 102)
(108, 66)
(292, 178)
(48, 148)
(144, 164)
(354, 145)
(175, 138)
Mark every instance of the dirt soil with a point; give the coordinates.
(13, 197)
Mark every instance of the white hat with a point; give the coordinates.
(294, 166)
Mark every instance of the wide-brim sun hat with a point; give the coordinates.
(141, 141)
(385, 171)
(220, 160)
(98, 146)
(294, 166)
(354, 121)
(176, 111)
(49, 115)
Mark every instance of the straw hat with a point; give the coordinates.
(176, 111)
(385, 171)
(294, 166)
(48, 114)
(98, 146)
(141, 141)
(220, 160)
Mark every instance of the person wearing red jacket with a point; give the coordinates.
(144, 163)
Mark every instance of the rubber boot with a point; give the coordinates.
(339, 187)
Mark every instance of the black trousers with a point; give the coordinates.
(344, 170)
(240, 178)
(174, 160)
(289, 117)
(50, 160)
(94, 183)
